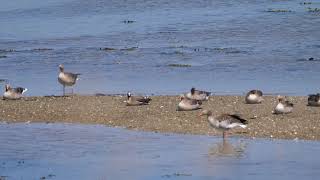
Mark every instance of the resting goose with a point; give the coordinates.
(283, 106)
(224, 122)
(136, 101)
(67, 78)
(198, 95)
(186, 104)
(314, 100)
(254, 97)
(13, 93)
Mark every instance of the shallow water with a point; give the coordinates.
(71, 151)
(232, 46)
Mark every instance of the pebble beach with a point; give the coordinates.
(161, 115)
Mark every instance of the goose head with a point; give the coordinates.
(280, 99)
(61, 68)
(193, 90)
(7, 87)
(182, 97)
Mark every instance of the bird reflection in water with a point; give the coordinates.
(225, 148)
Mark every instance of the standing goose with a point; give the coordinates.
(314, 100)
(186, 104)
(136, 101)
(254, 97)
(224, 122)
(13, 93)
(66, 78)
(283, 106)
(198, 95)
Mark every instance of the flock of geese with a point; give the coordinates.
(188, 102)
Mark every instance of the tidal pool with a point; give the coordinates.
(73, 151)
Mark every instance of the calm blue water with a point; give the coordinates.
(65, 151)
(232, 45)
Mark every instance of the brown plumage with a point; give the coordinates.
(13, 93)
(67, 78)
(187, 104)
(314, 100)
(224, 122)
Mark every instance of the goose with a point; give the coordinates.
(283, 106)
(224, 122)
(13, 93)
(314, 100)
(67, 78)
(186, 104)
(254, 97)
(136, 101)
(198, 95)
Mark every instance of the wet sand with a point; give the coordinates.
(161, 115)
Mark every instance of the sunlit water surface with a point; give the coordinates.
(229, 46)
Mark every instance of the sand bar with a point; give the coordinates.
(161, 115)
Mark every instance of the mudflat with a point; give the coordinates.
(161, 115)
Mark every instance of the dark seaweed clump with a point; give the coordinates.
(306, 3)
(42, 49)
(179, 65)
(122, 49)
(279, 10)
(128, 21)
(313, 9)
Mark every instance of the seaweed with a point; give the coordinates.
(279, 10)
(179, 65)
(313, 9)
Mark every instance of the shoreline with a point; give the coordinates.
(161, 115)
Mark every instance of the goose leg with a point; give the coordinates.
(224, 135)
(64, 90)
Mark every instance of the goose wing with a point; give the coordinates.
(143, 99)
(258, 92)
(72, 76)
(199, 92)
(19, 90)
(289, 104)
(314, 97)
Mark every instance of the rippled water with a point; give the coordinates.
(231, 45)
(70, 151)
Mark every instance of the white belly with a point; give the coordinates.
(11, 95)
(280, 108)
(184, 106)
